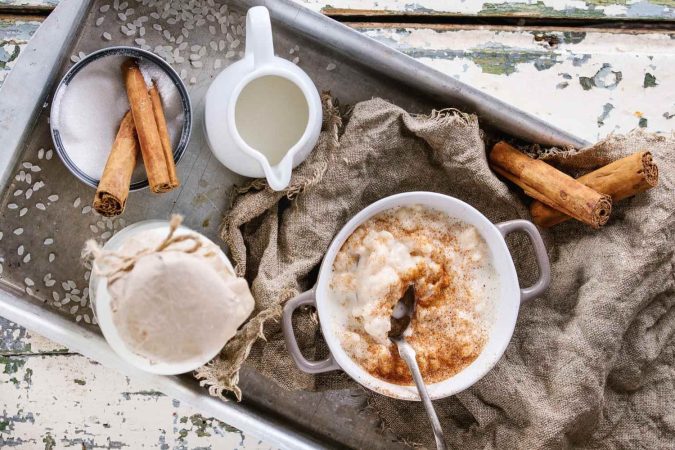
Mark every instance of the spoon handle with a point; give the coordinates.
(408, 354)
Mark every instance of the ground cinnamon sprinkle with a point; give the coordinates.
(449, 263)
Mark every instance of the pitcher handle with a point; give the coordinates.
(259, 36)
(540, 254)
(326, 365)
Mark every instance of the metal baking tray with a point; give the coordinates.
(363, 68)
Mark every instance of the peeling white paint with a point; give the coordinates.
(538, 8)
(556, 93)
(78, 403)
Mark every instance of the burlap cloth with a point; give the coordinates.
(591, 363)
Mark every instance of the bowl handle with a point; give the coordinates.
(540, 254)
(326, 365)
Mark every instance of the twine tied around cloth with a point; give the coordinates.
(118, 264)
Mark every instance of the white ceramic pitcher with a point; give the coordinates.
(221, 108)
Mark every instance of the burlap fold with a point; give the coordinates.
(591, 363)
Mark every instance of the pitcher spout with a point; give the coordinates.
(279, 176)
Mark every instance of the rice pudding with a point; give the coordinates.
(456, 287)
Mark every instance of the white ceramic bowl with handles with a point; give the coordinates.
(511, 296)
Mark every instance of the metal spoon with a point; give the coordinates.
(401, 317)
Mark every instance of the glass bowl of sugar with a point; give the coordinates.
(91, 100)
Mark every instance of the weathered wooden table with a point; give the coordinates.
(593, 67)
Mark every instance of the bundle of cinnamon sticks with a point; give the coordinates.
(559, 197)
(143, 127)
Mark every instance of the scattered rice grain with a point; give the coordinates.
(20, 250)
(53, 198)
(41, 153)
(99, 21)
(106, 36)
(23, 212)
(40, 206)
(29, 282)
(51, 257)
(18, 231)
(12, 206)
(104, 8)
(49, 154)
(26, 259)
(330, 66)
(86, 209)
(48, 241)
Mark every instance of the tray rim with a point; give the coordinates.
(38, 65)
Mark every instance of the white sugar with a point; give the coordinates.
(89, 110)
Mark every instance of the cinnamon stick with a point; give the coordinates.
(146, 128)
(158, 110)
(620, 179)
(113, 189)
(551, 186)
